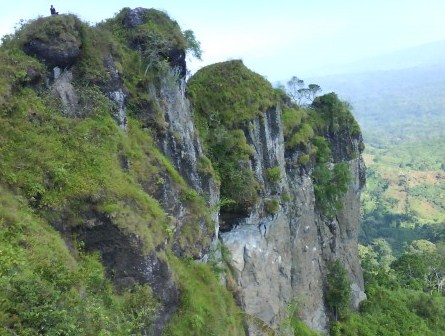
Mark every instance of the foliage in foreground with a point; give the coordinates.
(405, 296)
(395, 312)
(46, 290)
(205, 307)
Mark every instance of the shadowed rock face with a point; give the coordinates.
(54, 54)
(134, 17)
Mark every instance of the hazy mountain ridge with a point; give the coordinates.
(417, 56)
(398, 104)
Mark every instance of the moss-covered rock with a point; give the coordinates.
(152, 33)
(225, 97)
(55, 40)
(228, 94)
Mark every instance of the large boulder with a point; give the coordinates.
(55, 40)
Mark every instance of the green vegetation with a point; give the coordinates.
(157, 36)
(334, 116)
(64, 162)
(228, 95)
(225, 97)
(46, 290)
(396, 312)
(205, 307)
(405, 296)
(64, 29)
(271, 206)
(338, 290)
(311, 131)
(273, 174)
(297, 127)
(330, 183)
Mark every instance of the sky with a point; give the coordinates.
(275, 38)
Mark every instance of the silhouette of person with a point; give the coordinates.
(53, 10)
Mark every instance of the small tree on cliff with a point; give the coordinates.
(300, 94)
(338, 290)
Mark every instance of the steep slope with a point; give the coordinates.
(95, 136)
(102, 150)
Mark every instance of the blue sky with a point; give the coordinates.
(279, 38)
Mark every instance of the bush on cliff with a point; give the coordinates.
(225, 98)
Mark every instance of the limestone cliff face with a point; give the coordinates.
(281, 258)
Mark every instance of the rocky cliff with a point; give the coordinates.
(107, 143)
(280, 247)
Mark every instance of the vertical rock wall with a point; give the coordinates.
(282, 258)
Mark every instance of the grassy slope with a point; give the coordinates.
(54, 169)
(46, 289)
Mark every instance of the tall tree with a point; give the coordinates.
(338, 290)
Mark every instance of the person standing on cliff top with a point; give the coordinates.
(53, 11)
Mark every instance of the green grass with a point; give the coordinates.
(225, 97)
(206, 308)
(228, 94)
(57, 162)
(45, 288)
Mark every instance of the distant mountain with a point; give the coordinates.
(399, 102)
(394, 105)
(423, 55)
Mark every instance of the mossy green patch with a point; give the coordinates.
(271, 206)
(273, 174)
(331, 180)
(61, 28)
(229, 94)
(14, 75)
(155, 38)
(334, 116)
(312, 132)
